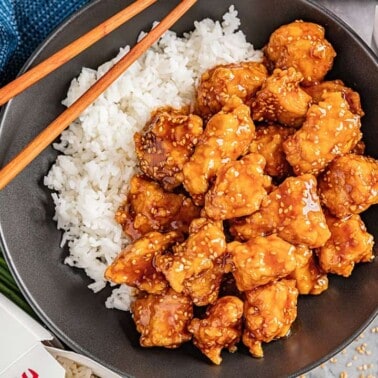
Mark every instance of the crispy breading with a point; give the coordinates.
(350, 243)
(309, 277)
(292, 211)
(268, 143)
(239, 188)
(301, 45)
(261, 260)
(221, 328)
(281, 99)
(330, 130)
(226, 137)
(162, 319)
(134, 265)
(220, 83)
(349, 185)
(204, 288)
(205, 244)
(269, 312)
(166, 143)
(352, 97)
(150, 208)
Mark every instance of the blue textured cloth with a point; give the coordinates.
(23, 26)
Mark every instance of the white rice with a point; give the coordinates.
(74, 370)
(90, 178)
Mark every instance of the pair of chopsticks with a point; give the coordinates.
(55, 128)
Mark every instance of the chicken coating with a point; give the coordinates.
(226, 137)
(350, 243)
(162, 319)
(220, 83)
(330, 130)
(204, 288)
(281, 99)
(239, 188)
(261, 260)
(205, 244)
(292, 211)
(150, 208)
(301, 45)
(353, 98)
(134, 265)
(269, 312)
(221, 328)
(349, 185)
(309, 278)
(166, 143)
(359, 148)
(268, 143)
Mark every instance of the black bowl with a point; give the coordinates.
(58, 293)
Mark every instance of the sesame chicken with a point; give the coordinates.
(269, 312)
(162, 319)
(353, 98)
(220, 83)
(268, 143)
(349, 185)
(292, 211)
(221, 328)
(134, 265)
(205, 244)
(204, 288)
(330, 130)
(150, 208)
(239, 188)
(350, 243)
(301, 45)
(359, 148)
(240, 219)
(309, 277)
(166, 143)
(281, 99)
(226, 137)
(261, 260)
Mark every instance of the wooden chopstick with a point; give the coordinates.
(70, 51)
(52, 131)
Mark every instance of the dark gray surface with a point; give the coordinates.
(58, 293)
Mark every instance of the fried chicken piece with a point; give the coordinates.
(349, 244)
(330, 129)
(226, 137)
(292, 211)
(162, 319)
(150, 208)
(268, 143)
(309, 278)
(204, 288)
(281, 99)
(301, 45)
(261, 260)
(221, 328)
(269, 312)
(353, 98)
(359, 148)
(134, 265)
(220, 83)
(239, 188)
(166, 143)
(349, 185)
(205, 244)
